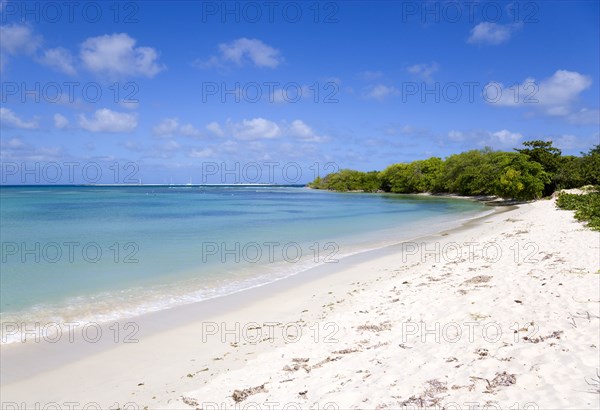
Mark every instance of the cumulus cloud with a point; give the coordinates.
(60, 121)
(554, 95)
(13, 143)
(171, 145)
(15, 149)
(456, 135)
(166, 128)
(188, 130)
(584, 116)
(201, 153)
(492, 33)
(215, 128)
(11, 120)
(60, 59)
(380, 92)
(371, 75)
(496, 139)
(302, 131)
(424, 71)
(170, 127)
(117, 55)
(105, 120)
(256, 128)
(505, 137)
(262, 129)
(293, 94)
(18, 38)
(244, 51)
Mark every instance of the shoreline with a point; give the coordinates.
(162, 320)
(169, 365)
(371, 241)
(104, 308)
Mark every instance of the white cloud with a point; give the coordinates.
(13, 143)
(105, 120)
(18, 39)
(380, 92)
(297, 93)
(456, 135)
(371, 75)
(555, 95)
(171, 145)
(116, 55)
(132, 146)
(215, 128)
(169, 127)
(260, 129)
(302, 131)
(503, 139)
(201, 153)
(507, 138)
(60, 59)
(574, 142)
(567, 142)
(563, 88)
(584, 116)
(243, 51)
(424, 71)
(16, 149)
(166, 128)
(188, 130)
(230, 146)
(293, 93)
(60, 121)
(492, 33)
(9, 119)
(256, 128)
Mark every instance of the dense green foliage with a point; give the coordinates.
(564, 171)
(586, 207)
(543, 153)
(531, 172)
(417, 176)
(349, 180)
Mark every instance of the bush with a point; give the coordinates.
(517, 177)
(586, 207)
(468, 173)
(526, 174)
(349, 180)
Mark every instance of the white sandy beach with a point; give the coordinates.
(511, 322)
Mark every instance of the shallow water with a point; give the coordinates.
(102, 253)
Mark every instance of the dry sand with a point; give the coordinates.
(502, 313)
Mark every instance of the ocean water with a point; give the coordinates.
(105, 253)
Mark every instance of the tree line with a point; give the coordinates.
(537, 169)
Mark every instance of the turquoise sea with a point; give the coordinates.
(102, 253)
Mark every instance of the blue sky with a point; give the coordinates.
(186, 85)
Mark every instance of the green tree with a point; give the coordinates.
(395, 178)
(518, 177)
(349, 180)
(569, 173)
(529, 173)
(371, 181)
(590, 167)
(548, 156)
(318, 183)
(426, 174)
(468, 173)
